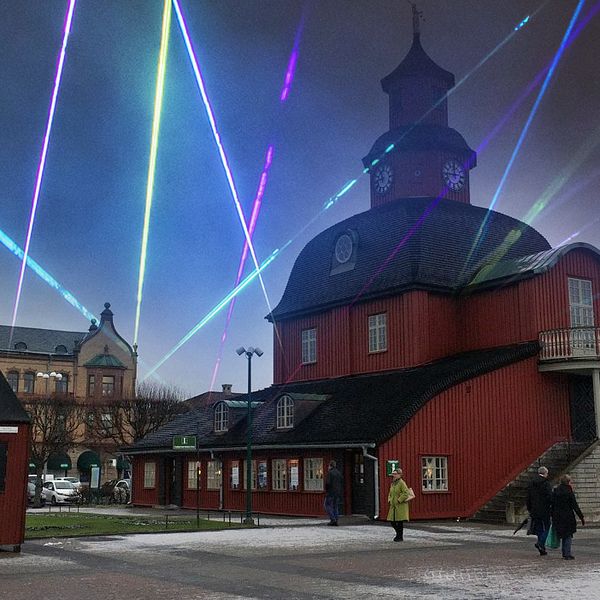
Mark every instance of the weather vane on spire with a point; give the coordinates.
(417, 16)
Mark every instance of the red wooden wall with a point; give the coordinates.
(423, 326)
(13, 500)
(490, 428)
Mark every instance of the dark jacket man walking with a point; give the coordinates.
(539, 505)
(333, 493)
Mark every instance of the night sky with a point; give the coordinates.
(89, 220)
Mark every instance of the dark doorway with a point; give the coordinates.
(583, 419)
(363, 502)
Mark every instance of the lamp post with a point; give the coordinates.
(249, 352)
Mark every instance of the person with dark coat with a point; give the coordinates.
(334, 488)
(539, 505)
(564, 508)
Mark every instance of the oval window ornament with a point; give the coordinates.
(343, 248)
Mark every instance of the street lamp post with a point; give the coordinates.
(249, 352)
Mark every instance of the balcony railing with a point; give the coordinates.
(570, 343)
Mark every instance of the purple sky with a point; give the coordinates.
(88, 228)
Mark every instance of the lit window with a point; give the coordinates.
(252, 474)
(309, 346)
(221, 417)
(285, 413)
(91, 385)
(293, 474)
(263, 478)
(313, 474)
(62, 384)
(106, 421)
(29, 383)
(434, 473)
(108, 385)
(279, 467)
(213, 475)
(193, 477)
(149, 475)
(378, 332)
(13, 380)
(234, 477)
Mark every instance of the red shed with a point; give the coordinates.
(14, 452)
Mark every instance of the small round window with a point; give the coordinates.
(343, 248)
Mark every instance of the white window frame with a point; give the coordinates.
(252, 473)
(434, 473)
(214, 475)
(285, 412)
(378, 333)
(313, 475)
(309, 346)
(581, 312)
(108, 385)
(149, 475)
(193, 466)
(279, 474)
(221, 417)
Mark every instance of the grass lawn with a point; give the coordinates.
(81, 524)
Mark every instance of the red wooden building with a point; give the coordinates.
(14, 453)
(426, 330)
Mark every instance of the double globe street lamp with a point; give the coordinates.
(47, 376)
(249, 352)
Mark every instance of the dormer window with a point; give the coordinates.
(20, 346)
(221, 417)
(60, 349)
(285, 412)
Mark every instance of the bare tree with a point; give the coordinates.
(126, 420)
(55, 422)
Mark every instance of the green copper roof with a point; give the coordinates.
(105, 360)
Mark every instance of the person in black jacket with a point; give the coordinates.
(333, 493)
(564, 507)
(539, 505)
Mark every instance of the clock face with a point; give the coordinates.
(382, 181)
(454, 175)
(343, 248)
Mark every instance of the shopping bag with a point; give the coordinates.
(411, 494)
(531, 527)
(552, 540)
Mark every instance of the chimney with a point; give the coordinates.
(227, 388)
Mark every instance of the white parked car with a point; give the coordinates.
(60, 492)
(74, 480)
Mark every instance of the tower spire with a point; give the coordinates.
(417, 15)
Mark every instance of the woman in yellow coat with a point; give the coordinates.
(398, 501)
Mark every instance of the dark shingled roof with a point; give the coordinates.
(11, 410)
(416, 63)
(413, 243)
(39, 340)
(423, 137)
(358, 409)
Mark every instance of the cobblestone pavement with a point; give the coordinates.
(446, 560)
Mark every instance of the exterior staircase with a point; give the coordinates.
(508, 505)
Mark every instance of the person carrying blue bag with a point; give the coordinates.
(564, 508)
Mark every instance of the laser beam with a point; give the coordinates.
(525, 129)
(40, 172)
(158, 98)
(221, 149)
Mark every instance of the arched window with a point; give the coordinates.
(20, 346)
(285, 412)
(221, 417)
(13, 380)
(62, 384)
(60, 349)
(29, 383)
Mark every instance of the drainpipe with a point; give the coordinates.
(596, 388)
(375, 479)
